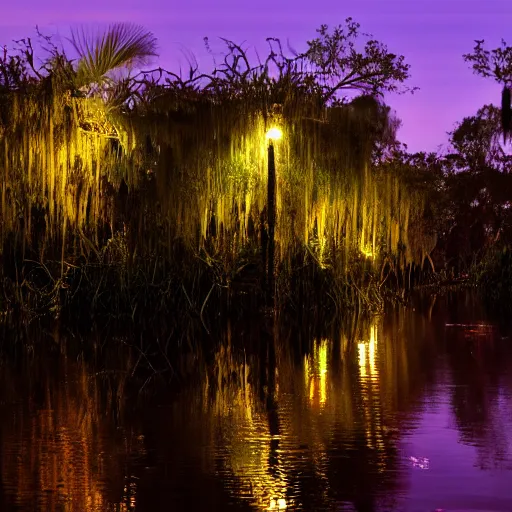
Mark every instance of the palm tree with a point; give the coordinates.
(122, 46)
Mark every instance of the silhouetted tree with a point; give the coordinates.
(495, 64)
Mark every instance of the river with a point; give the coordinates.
(409, 411)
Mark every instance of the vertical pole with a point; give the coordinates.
(271, 206)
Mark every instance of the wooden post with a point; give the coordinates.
(271, 215)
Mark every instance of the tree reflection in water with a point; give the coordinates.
(318, 416)
(313, 431)
(60, 449)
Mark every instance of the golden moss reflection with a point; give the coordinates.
(361, 349)
(268, 433)
(315, 372)
(269, 425)
(246, 430)
(370, 389)
(367, 355)
(55, 451)
(279, 504)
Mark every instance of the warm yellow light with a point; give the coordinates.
(371, 350)
(274, 134)
(367, 252)
(280, 504)
(361, 348)
(322, 357)
(322, 366)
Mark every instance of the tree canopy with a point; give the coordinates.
(496, 64)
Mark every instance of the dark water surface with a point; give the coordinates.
(415, 414)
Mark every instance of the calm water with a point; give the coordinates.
(413, 414)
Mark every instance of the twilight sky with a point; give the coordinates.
(432, 34)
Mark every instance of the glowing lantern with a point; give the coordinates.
(274, 134)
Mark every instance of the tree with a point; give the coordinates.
(495, 64)
(342, 66)
(477, 184)
(333, 63)
(476, 142)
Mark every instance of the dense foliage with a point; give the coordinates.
(120, 189)
(127, 191)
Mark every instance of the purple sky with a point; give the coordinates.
(432, 34)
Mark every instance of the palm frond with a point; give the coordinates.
(121, 45)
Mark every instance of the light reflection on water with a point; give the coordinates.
(396, 413)
(58, 449)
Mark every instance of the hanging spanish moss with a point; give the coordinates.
(177, 181)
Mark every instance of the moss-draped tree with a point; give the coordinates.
(147, 171)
